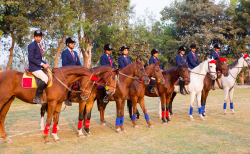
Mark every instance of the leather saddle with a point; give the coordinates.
(28, 73)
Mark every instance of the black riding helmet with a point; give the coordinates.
(217, 46)
(124, 47)
(182, 48)
(38, 33)
(108, 47)
(69, 40)
(154, 51)
(193, 46)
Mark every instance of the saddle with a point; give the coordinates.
(30, 81)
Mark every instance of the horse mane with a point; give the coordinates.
(170, 70)
(233, 64)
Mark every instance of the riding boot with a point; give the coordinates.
(67, 101)
(213, 85)
(151, 86)
(182, 84)
(39, 91)
(105, 96)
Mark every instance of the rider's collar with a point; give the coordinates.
(181, 54)
(70, 49)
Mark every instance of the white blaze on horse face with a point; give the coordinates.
(213, 71)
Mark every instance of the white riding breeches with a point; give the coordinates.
(41, 75)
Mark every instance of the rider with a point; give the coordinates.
(180, 59)
(107, 60)
(153, 59)
(70, 58)
(124, 60)
(36, 64)
(192, 58)
(216, 55)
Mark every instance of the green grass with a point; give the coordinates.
(217, 134)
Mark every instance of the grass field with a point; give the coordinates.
(217, 134)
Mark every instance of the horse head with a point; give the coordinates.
(184, 72)
(221, 65)
(246, 60)
(140, 72)
(154, 71)
(211, 69)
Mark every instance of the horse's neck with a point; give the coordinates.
(129, 72)
(172, 75)
(200, 70)
(237, 69)
(74, 74)
(148, 71)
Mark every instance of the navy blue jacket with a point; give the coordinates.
(153, 61)
(34, 57)
(105, 60)
(192, 63)
(122, 62)
(67, 59)
(214, 55)
(178, 60)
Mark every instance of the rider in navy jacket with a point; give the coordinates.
(192, 62)
(216, 55)
(106, 59)
(67, 58)
(153, 60)
(180, 59)
(124, 60)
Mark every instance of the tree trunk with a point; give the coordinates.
(242, 78)
(87, 54)
(11, 51)
(59, 49)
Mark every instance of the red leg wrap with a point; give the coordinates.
(163, 114)
(87, 122)
(79, 125)
(46, 130)
(167, 113)
(54, 130)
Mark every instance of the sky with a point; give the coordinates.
(154, 6)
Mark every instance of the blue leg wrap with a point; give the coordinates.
(134, 116)
(117, 122)
(191, 111)
(203, 108)
(225, 106)
(146, 117)
(121, 120)
(231, 105)
(200, 110)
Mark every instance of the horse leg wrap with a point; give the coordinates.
(133, 117)
(146, 117)
(117, 122)
(191, 111)
(79, 125)
(231, 106)
(163, 114)
(46, 130)
(203, 108)
(121, 120)
(167, 114)
(225, 106)
(200, 110)
(54, 130)
(87, 123)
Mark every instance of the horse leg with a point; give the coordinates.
(198, 98)
(171, 103)
(81, 118)
(43, 109)
(168, 99)
(101, 108)
(129, 105)
(159, 104)
(225, 100)
(134, 101)
(3, 113)
(88, 108)
(118, 115)
(50, 113)
(143, 107)
(192, 96)
(163, 107)
(55, 121)
(122, 115)
(203, 101)
(231, 92)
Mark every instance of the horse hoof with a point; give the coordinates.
(48, 142)
(88, 134)
(119, 131)
(124, 131)
(103, 124)
(170, 122)
(151, 126)
(233, 113)
(164, 123)
(58, 141)
(8, 140)
(226, 114)
(202, 119)
(81, 136)
(191, 119)
(136, 126)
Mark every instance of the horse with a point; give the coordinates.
(105, 73)
(125, 78)
(11, 87)
(197, 76)
(170, 77)
(228, 82)
(221, 66)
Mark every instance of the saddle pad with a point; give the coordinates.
(30, 81)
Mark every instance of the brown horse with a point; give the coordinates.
(125, 78)
(221, 66)
(11, 87)
(137, 91)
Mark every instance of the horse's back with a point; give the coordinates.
(10, 77)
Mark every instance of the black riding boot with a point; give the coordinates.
(151, 86)
(105, 96)
(213, 85)
(67, 101)
(39, 91)
(182, 84)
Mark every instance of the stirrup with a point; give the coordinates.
(38, 101)
(67, 102)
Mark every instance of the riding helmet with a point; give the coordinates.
(108, 47)
(217, 46)
(124, 47)
(182, 48)
(70, 40)
(154, 51)
(193, 46)
(38, 33)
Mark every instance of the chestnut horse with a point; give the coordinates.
(11, 87)
(137, 92)
(125, 78)
(221, 66)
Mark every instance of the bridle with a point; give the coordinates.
(159, 79)
(181, 76)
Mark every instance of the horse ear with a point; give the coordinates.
(157, 63)
(117, 70)
(242, 55)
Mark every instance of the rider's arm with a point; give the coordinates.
(191, 61)
(78, 61)
(64, 59)
(120, 62)
(31, 56)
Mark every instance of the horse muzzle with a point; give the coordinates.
(110, 92)
(213, 76)
(84, 97)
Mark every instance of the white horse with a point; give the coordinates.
(228, 83)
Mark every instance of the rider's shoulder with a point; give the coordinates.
(32, 44)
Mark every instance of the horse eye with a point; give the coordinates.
(210, 66)
(113, 78)
(157, 70)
